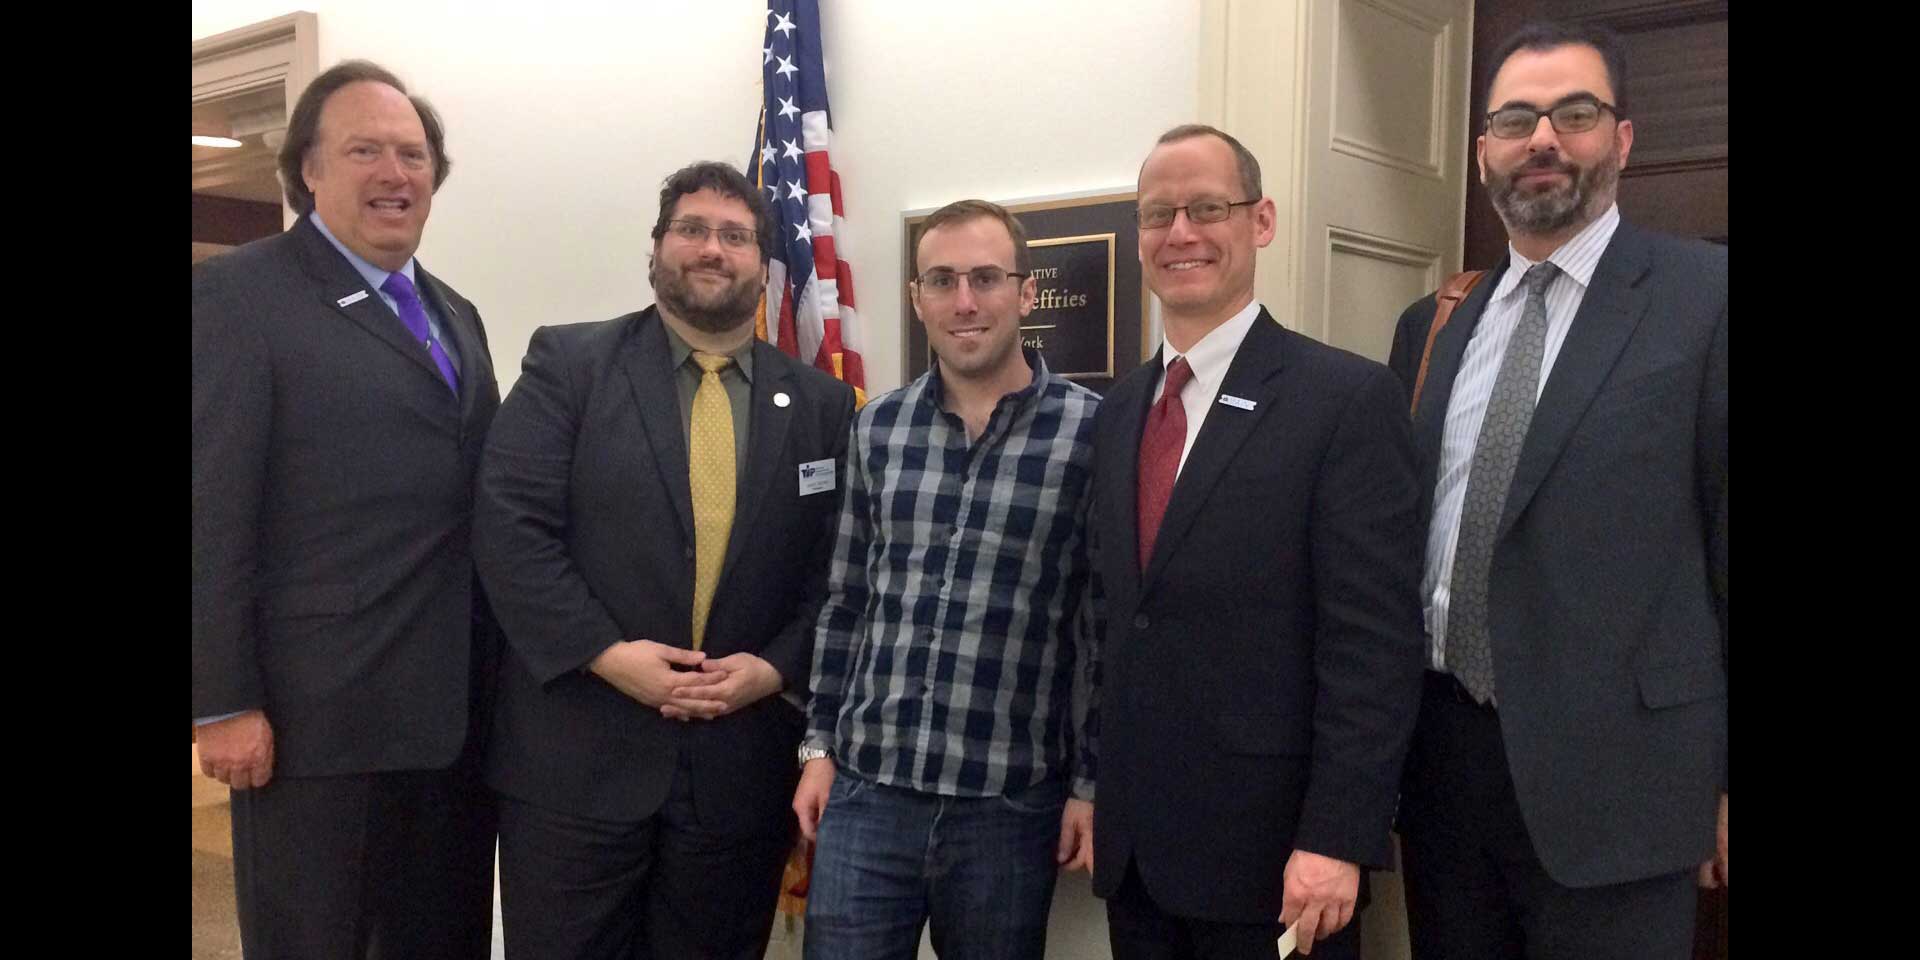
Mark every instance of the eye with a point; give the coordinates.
(1156, 216)
(1207, 211)
(363, 151)
(735, 237)
(938, 281)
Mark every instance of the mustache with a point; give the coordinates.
(1546, 163)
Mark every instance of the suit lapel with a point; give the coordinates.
(463, 330)
(1124, 463)
(1608, 315)
(648, 366)
(336, 280)
(766, 451)
(1250, 376)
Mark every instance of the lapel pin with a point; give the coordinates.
(781, 400)
(1240, 402)
(350, 300)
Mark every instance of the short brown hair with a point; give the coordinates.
(303, 127)
(1243, 159)
(961, 211)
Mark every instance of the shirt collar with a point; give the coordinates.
(680, 351)
(375, 277)
(1211, 356)
(1576, 258)
(933, 392)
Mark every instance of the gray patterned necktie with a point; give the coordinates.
(1469, 650)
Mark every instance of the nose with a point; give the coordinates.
(1182, 229)
(963, 301)
(1544, 136)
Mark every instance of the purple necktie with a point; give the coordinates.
(415, 317)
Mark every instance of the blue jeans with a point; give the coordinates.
(889, 861)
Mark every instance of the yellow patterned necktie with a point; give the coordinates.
(710, 473)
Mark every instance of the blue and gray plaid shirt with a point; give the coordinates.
(960, 599)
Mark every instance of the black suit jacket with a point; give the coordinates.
(333, 472)
(584, 537)
(1608, 593)
(1259, 681)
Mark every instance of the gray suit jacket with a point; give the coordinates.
(333, 584)
(1608, 592)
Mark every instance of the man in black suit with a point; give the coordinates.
(1571, 429)
(1257, 543)
(342, 651)
(655, 516)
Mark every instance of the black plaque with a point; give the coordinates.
(1089, 313)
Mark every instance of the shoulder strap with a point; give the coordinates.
(1445, 299)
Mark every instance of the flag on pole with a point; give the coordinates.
(808, 310)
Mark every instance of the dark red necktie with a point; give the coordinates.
(1160, 444)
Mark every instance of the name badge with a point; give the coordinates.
(349, 301)
(1238, 402)
(816, 477)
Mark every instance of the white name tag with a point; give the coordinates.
(351, 300)
(816, 477)
(1240, 402)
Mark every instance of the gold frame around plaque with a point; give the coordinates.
(1111, 239)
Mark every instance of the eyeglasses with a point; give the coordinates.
(1574, 116)
(941, 282)
(695, 232)
(1155, 216)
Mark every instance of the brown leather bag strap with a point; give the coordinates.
(1445, 299)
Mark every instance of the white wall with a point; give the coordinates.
(563, 117)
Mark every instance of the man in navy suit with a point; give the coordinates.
(342, 651)
(1258, 546)
(1571, 427)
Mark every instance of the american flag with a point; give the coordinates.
(809, 307)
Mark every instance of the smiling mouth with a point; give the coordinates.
(391, 206)
(966, 333)
(1180, 266)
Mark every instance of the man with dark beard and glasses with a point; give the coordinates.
(1569, 763)
(654, 515)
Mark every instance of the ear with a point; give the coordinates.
(1480, 156)
(309, 169)
(913, 295)
(1266, 220)
(1029, 289)
(1623, 135)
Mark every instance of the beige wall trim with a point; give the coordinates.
(284, 50)
(1253, 79)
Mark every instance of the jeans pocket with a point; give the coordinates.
(1047, 796)
(846, 787)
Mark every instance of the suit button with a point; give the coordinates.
(1139, 621)
(687, 552)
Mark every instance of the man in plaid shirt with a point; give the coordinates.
(941, 746)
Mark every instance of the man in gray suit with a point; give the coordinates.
(342, 651)
(1571, 428)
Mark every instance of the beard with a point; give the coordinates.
(1551, 210)
(717, 311)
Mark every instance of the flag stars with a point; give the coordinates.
(787, 109)
(796, 192)
(768, 154)
(784, 24)
(793, 151)
(786, 68)
(802, 232)
(766, 55)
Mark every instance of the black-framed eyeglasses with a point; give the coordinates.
(1573, 116)
(1157, 215)
(941, 281)
(695, 232)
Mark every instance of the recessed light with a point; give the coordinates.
(225, 143)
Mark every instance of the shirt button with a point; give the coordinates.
(1139, 621)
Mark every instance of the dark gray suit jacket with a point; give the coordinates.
(584, 536)
(333, 584)
(1608, 593)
